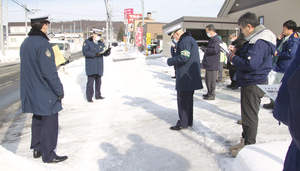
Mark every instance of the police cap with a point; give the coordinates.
(97, 31)
(39, 16)
(173, 30)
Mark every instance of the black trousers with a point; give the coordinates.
(231, 74)
(250, 104)
(220, 73)
(210, 81)
(90, 86)
(185, 103)
(44, 133)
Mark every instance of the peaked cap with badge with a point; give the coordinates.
(97, 31)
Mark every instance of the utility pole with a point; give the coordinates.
(7, 42)
(111, 27)
(36, 9)
(74, 33)
(25, 6)
(107, 19)
(1, 32)
(143, 11)
(70, 31)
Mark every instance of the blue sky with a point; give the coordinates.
(68, 10)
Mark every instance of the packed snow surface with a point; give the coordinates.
(129, 129)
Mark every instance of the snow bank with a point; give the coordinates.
(267, 156)
(11, 56)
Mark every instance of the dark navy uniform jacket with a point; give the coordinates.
(287, 55)
(287, 111)
(187, 61)
(93, 65)
(40, 84)
(211, 59)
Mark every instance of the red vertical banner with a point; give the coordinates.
(127, 11)
(139, 36)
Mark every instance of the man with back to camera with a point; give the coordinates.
(188, 74)
(253, 63)
(92, 49)
(41, 89)
(211, 62)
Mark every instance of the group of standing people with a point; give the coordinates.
(42, 91)
(249, 65)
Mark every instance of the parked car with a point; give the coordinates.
(114, 44)
(64, 47)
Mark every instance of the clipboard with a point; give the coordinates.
(223, 48)
(59, 58)
(105, 50)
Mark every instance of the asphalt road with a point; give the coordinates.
(10, 103)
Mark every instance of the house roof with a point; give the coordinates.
(227, 5)
(231, 6)
(201, 19)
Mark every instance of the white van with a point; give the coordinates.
(64, 48)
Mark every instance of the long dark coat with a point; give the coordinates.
(187, 61)
(211, 59)
(93, 65)
(40, 84)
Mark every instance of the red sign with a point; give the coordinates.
(127, 11)
(131, 17)
(139, 36)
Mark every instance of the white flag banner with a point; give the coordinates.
(270, 90)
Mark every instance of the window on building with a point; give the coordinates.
(261, 19)
(17, 29)
(159, 37)
(13, 40)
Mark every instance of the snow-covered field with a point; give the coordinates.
(129, 129)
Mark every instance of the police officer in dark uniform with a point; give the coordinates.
(188, 74)
(41, 89)
(93, 49)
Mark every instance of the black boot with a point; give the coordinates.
(269, 106)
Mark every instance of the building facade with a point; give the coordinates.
(196, 26)
(271, 13)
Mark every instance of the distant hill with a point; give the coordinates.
(60, 27)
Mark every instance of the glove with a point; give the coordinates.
(107, 52)
(230, 56)
(97, 55)
(61, 97)
(202, 48)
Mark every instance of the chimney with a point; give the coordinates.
(149, 15)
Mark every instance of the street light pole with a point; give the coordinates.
(107, 19)
(7, 42)
(1, 32)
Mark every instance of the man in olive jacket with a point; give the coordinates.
(211, 62)
(92, 49)
(188, 74)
